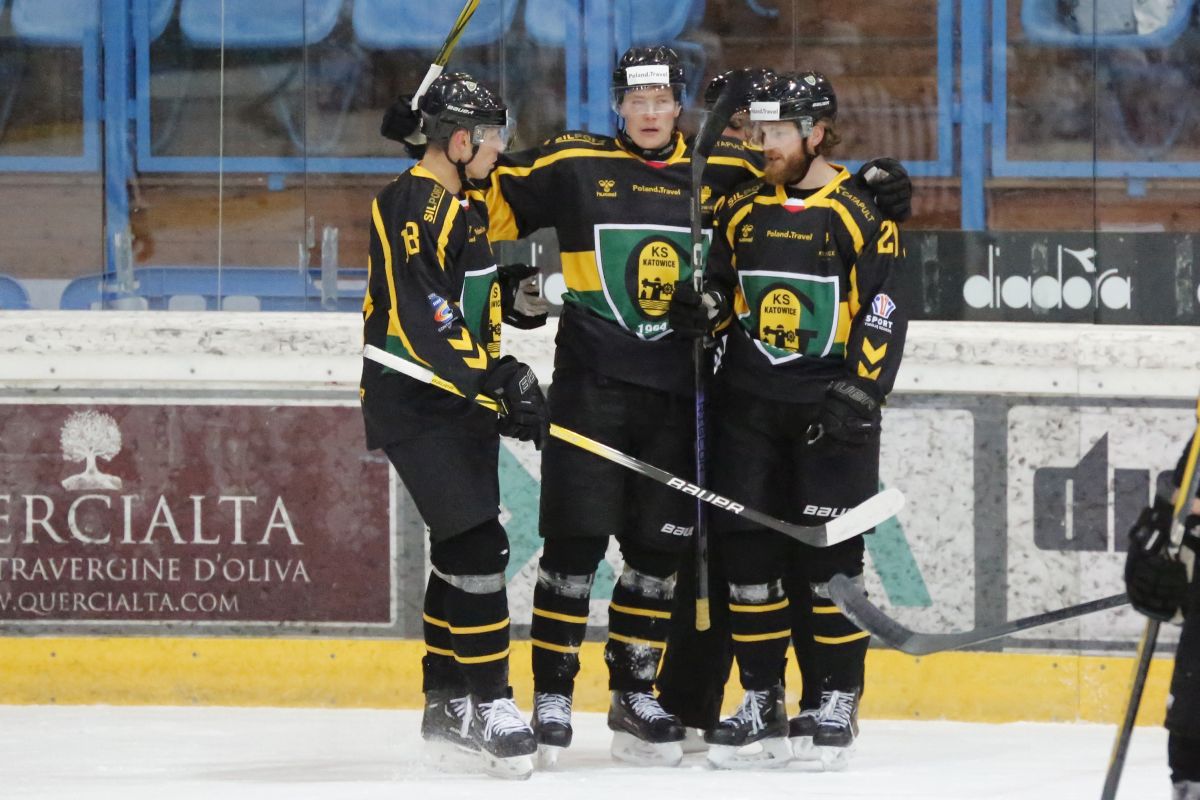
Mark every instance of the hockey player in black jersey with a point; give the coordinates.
(620, 208)
(434, 297)
(803, 265)
(1159, 587)
(696, 665)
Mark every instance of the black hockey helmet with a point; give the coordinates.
(793, 96)
(645, 68)
(456, 100)
(759, 77)
(823, 90)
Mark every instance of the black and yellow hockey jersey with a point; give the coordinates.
(812, 275)
(433, 298)
(624, 230)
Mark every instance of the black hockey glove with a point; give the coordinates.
(888, 181)
(693, 314)
(1156, 582)
(523, 406)
(402, 124)
(852, 412)
(520, 303)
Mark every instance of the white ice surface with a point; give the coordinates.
(233, 753)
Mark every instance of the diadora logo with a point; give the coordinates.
(880, 318)
(1094, 288)
(606, 188)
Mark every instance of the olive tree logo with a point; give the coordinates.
(86, 436)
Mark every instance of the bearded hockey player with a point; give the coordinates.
(434, 297)
(804, 264)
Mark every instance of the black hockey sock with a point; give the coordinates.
(439, 670)
(638, 619)
(840, 646)
(1183, 756)
(479, 633)
(560, 614)
(759, 622)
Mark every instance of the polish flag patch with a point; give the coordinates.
(794, 204)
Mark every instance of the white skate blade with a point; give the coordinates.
(770, 753)
(632, 750)
(547, 756)
(803, 750)
(835, 759)
(693, 741)
(516, 768)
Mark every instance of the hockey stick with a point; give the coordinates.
(443, 56)
(865, 515)
(1145, 651)
(702, 148)
(868, 616)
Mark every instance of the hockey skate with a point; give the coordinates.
(643, 733)
(837, 728)
(445, 727)
(760, 720)
(693, 741)
(551, 725)
(504, 740)
(801, 730)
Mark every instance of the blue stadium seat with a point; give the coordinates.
(12, 294)
(161, 12)
(55, 23)
(545, 20)
(206, 288)
(423, 24)
(1045, 23)
(259, 24)
(656, 21)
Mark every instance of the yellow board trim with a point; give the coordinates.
(639, 612)
(557, 648)
(853, 637)
(386, 673)
(761, 637)
(617, 637)
(541, 612)
(758, 609)
(491, 626)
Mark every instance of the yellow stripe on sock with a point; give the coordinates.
(761, 637)
(441, 623)
(541, 612)
(492, 626)
(759, 609)
(437, 651)
(482, 659)
(826, 610)
(854, 637)
(640, 612)
(557, 648)
(634, 640)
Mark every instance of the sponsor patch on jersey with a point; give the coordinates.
(606, 188)
(880, 318)
(443, 313)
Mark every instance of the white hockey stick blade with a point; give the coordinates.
(865, 515)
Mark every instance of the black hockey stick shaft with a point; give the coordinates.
(854, 604)
(702, 147)
(1183, 501)
(443, 57)
(867, 514)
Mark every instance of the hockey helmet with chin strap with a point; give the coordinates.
(795, 97)
(647, 68)
(456, 101)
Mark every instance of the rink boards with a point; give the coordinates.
(188, 515)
